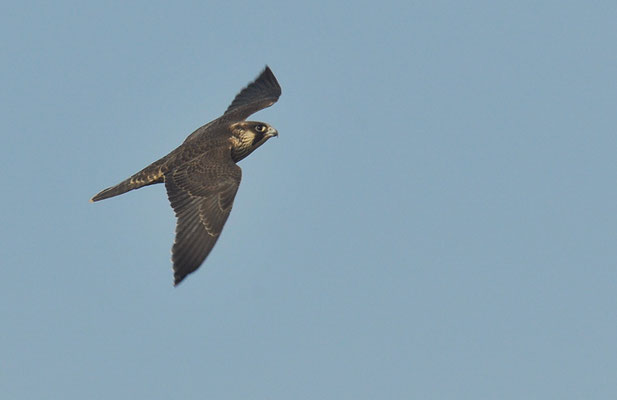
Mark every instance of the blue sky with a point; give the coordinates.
(436, 220)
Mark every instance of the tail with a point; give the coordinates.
(120, 188)
(148, 176)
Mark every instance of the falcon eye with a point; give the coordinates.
(260, 128)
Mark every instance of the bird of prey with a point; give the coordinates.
(201, 176)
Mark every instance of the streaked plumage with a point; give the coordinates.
(201, 175)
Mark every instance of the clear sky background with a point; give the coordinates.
(437, 220)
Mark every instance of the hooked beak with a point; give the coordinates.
(272, 132)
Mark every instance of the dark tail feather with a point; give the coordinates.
(148, 176)
(120, 188)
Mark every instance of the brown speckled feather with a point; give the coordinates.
(201, 193)
(201, 175)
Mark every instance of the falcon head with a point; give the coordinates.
(247, 136)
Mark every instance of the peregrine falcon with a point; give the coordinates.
(201, 176)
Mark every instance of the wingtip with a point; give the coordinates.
(177, 277)
(268, 76)
(267, 71)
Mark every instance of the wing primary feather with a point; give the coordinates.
(259, 94)
(194, 191)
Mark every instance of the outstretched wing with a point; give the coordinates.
(261, 93)
(201, 193)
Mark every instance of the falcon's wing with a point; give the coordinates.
(201, 193)
(261, 93)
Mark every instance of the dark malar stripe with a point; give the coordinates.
(258, 138)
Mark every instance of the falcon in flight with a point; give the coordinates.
(201, 175)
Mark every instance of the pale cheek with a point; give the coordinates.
(248, 139)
